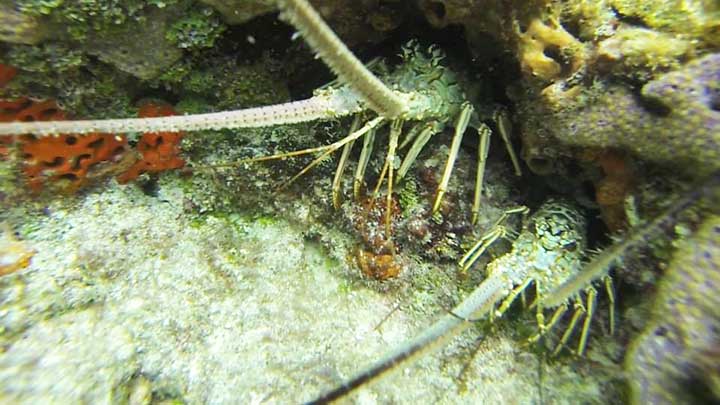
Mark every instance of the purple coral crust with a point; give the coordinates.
(685, 328)
(676, 118)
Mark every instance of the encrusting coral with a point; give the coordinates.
(681, 341)
(639, 53)
(75, 159)
(697, 19)
(674, 121)
(65, 157)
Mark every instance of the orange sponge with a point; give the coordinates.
(65, 157)
(159, 150)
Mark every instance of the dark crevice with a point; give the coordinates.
(654, 106)
(630, 19)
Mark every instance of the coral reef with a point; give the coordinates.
(608, 85)
(125, 285)
(614, 187)
(240, 11)
(697, 19)
(7, 72)
(570, 52)
(79, 83)
(115, 32)
(71, 161)
(549, 52)
(355, 22)
(197, 30)
(125, 46)
(675, 121)
(680, 342)
(225, 83)
(639, 53)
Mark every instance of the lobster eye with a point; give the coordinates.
(571, 247)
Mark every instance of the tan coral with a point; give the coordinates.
(549, 52)
(640, 51)
(698, 20)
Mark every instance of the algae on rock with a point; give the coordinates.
(675, 122)
(680, 343)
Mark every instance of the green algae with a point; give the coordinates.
(196, 30)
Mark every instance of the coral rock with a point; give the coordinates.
(675, 121)
(240, 11)
(698, 19)
(6, 74)
(639, 52)
(127, 46)
(19, 28)
(681, 342)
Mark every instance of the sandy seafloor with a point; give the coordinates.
(129, 300)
